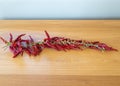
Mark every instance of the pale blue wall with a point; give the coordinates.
(59, 9)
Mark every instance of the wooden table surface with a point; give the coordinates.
(59, 68)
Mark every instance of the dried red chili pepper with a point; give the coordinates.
(3, 40)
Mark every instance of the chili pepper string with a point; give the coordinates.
(20, 45)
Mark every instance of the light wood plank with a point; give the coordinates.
(71, 65)
(58, 80)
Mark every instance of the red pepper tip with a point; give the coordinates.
(47, 34)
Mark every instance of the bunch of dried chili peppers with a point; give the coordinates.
(20, 45)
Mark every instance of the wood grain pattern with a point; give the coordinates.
(58, 80)
(71, 64)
